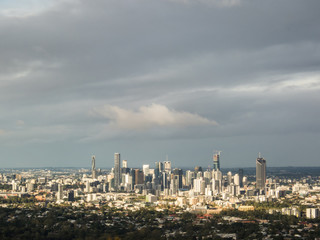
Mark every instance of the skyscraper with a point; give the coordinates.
(124, 163)
(260, 173)
(60, 192)
(167, 166)
(241, 177)
(158, 169)
(93, 166)
(216, 160)
(145, 169)
(117, 172)
(139, 176)
(177, 174)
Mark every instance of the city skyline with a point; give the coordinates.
(125, 163)
(150, 78)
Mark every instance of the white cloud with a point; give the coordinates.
(150, 116)
(279, 84)
(283, 83)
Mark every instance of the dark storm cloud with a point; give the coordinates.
(251, 66)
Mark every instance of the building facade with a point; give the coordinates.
(117, 172)
(261, 173)
(93, 167)
(216, 161)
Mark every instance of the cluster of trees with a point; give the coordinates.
(112, 223)
(285, 220)
(68, 223)
(269, 205)
(16, 199)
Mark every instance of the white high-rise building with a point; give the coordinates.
(236, 179)
(145, 169)
(207, 174)
(30, 187)
(60, 192)
(189, 177)
(217, 175)
(229, 178)
(312, 213)
(197, 185)
(124, 163)
(14, 186)
(87, 186)
(167, 166)
(216, 186)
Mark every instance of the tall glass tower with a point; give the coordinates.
(261, 166)
(93, 167)
(240, 177)
(216, 161)
(117, 172)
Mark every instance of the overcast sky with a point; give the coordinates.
(151, 78)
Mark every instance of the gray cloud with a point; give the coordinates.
(252, 66)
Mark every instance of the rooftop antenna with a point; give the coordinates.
(259, 155)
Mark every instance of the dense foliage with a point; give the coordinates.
(111, 223)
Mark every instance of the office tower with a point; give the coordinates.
(217, 175)
(189, 177)
(30, 187)
(60, 192)
(132, 173)
(93, 167)
(174, 183)
(236, 179)
(260, 173)
(312, 213)
(160, 166)
(234, 189)
(145, 169)
(167, 166)
(216, 186)
(87, 186)
(165, 182)
(240, 172)
(178, 173)
(128, 181)
(71, 196)
(14, 186)
(197, 185)
(216, 160)
(218, 183)
(207, 175)
(229, 177)
(124, 163)
(158, 169)
(117, 173)
(139, 177)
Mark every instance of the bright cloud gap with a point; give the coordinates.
(146, 117)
